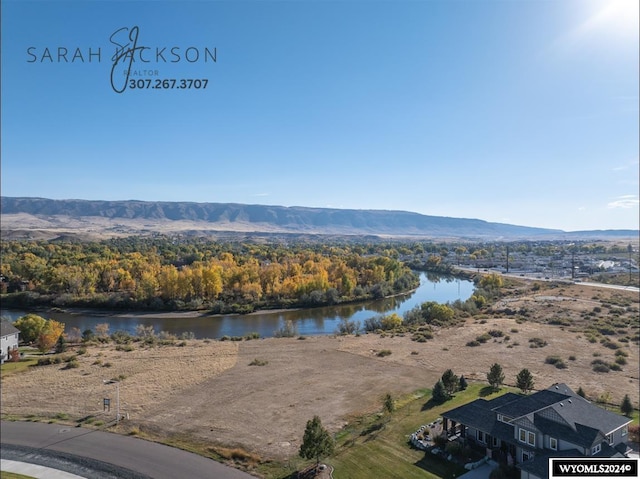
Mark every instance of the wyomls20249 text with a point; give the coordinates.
(169, 84)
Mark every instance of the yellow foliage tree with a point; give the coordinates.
(49, 335)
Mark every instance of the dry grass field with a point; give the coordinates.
(211, 391)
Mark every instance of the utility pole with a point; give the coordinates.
(507, 258)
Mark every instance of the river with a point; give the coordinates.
(308, 321)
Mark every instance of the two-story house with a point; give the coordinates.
(9, 335)
(527, 430)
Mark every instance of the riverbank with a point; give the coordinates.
(251, 399)
(265, 390)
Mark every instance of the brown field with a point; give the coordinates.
(210, 391)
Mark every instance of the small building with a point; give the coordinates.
(8, 340)
(527, 430)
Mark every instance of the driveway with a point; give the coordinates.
(92, 453)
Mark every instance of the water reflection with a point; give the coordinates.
(312, 321)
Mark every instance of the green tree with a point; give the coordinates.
(439, 393)
(462, 384)
(30, 326)
(316, 442)
(524, 381)
(580, 392)
(450, 382)
(495, 376)
(626, 407)
(61, 344)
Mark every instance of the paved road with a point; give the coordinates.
(537, 277)
(132, 457)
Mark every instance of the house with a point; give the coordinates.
(9, 339)
(527, 430)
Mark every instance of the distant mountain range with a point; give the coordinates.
(41, 217)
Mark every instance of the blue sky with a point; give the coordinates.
(515, 111)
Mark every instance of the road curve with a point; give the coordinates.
(142, 458)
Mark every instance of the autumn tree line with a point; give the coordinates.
(166, 273)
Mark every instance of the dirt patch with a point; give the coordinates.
(211, 390)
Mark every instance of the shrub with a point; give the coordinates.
(599, 366)
(288, 330)
(453, 448)
(473, 343)
(347, 327)
(610, 344)
(72, 364)
(258, 362)
(47, 360)
(483, 338)
(384, 352)
(537, 343)
(121, 337)
(556, 361)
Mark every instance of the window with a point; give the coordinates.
(553, 443)
(480, 436)
(526, 455)
(527, 437)
(495, 441)
(596, 449)
(610, 439)
(625, 431)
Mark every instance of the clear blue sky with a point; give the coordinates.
(516, 111)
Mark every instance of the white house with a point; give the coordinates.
(9, 339)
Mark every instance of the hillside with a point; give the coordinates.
(40, 218)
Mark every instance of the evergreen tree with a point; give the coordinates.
(495, 376)
(524, 381)
(450, 382)
(61, 344)
(439, 393)
(316, 442)
(462, 385)
(626, 407)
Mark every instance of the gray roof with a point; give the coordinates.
(6, 328)
(530, 404)
(585, 424)
(579, 434)
(580, 411)
(539, 465)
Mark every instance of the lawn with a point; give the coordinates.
(10, 367)
(13, 475)
(378, 446)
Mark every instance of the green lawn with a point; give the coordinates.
(378, 447)
(13, 475)
(10, 367)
